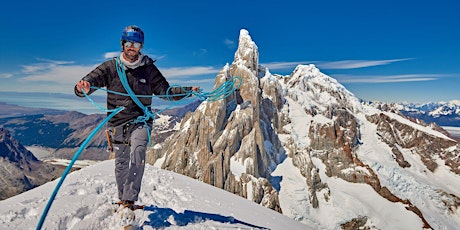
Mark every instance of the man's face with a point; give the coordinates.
(131, 50)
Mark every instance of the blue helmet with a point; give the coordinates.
(132, 34)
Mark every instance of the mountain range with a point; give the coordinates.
(306, 147)
(441, 113)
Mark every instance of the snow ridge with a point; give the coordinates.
(173, 201)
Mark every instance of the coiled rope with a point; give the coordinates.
(221, 92)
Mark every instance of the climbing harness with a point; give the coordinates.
(221, 92)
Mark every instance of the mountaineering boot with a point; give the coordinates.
(120, 205)
(127, 214)
(128, 204)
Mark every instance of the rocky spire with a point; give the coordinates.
(222, 142)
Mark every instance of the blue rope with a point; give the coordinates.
(221, 92)
(124, 81)
(69, 167)
(147, 112)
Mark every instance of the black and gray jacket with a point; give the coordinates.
(145, 79)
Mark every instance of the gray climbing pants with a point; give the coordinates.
(130, 145)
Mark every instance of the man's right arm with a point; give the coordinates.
(80, 86)
(98, 78)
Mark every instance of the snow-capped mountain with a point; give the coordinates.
(435, 109)
(305, 146)
(441, 113)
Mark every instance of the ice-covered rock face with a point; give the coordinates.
(247, 53)
(304, 131)
(246, 66)
(223, 142)
(319, 92)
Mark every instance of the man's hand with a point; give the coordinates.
(83, 85)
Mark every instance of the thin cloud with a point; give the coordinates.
(6, 75)
(59, 74)
(229, 43)
(200, 52)
(53, 71)
(113, 54)
(283, 65)
(189, 71)
(388, 78)
(44, 65)
(355, 64)
(345, 64)
(56, 62)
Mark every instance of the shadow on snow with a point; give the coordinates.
(166, 217)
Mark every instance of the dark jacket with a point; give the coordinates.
(146, 79)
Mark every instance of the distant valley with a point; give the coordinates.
(59, 133)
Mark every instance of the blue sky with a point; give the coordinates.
(390, 51)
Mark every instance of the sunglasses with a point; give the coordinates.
(137, 45)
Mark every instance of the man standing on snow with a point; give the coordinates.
(129, 139)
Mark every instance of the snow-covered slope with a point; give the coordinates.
(172, 201)
(311, 92)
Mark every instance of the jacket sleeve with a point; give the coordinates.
(98, 77)
(179, 91)
(161, 87)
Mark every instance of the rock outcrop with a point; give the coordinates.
(20, 169)
(225, 140)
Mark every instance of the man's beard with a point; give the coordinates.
(131, 57)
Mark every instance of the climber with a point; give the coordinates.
(128, 138)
